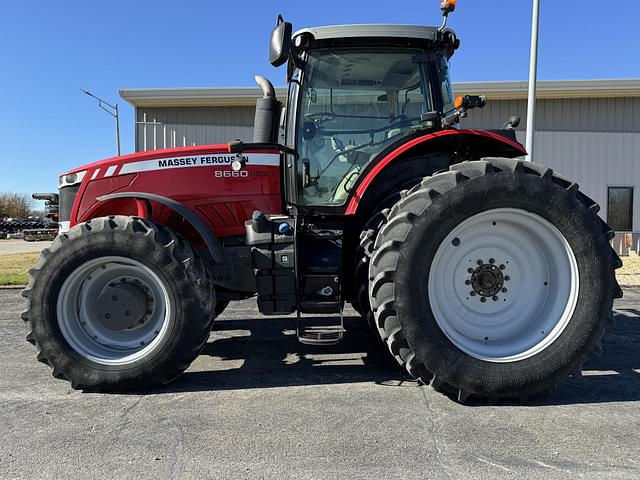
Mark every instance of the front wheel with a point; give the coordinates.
(494, 279)
(118, 303)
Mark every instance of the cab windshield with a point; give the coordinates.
(353, 104)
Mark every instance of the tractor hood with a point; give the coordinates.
(114, 163)
(200, 178)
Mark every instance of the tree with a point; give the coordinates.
(15, 205)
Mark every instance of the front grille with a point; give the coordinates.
(67, 197)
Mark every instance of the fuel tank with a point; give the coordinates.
(200, 178)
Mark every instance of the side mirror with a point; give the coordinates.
(280, 44)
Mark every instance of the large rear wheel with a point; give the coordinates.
(119, 303)
(494, 279)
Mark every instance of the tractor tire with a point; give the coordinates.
(494, 279)
(362, 257)
(118, 303)
(361, 269)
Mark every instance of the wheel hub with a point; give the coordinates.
(487, 280)
(123, 305)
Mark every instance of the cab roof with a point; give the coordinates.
(371, 31)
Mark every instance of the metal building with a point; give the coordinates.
(586, 130)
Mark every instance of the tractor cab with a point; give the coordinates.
(354, 91)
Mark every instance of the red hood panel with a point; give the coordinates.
(150, 155)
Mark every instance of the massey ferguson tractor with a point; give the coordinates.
(485, 275)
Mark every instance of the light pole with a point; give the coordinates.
(111, 110)
(533, 79)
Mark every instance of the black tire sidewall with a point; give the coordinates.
(503, 190)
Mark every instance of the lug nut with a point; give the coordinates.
(473, 294)
(495, 298)
(502, 267)
(470, 270)
(504, 290)
(455, 242)
(107, 316)
(114, 298)
(467, 282)
(479, 262)
(492, 260)
(483, 299)
(507, 278)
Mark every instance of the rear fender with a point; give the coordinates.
(459, 145)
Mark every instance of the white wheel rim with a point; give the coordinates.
(86, 321)
(537, 268)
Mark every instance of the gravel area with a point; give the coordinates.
(8, 247)
(258, 405)
(629, 274)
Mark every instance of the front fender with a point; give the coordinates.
(213, 244)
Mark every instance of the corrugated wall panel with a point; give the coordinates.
(595, 161)
(573, 114)
(168, 127)
(183, 126)
(594, 141)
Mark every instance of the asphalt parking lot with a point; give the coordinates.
(258, 405)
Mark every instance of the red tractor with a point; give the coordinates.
(484, 274)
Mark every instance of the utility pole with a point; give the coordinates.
(111, 110)
(533, 79)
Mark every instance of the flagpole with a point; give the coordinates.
(533, 78)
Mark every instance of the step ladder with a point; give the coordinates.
(320, 306)
(319, 324)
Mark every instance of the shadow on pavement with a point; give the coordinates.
(271, 356)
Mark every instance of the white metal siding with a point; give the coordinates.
(158, 128)
(573, 114)
(594, 160)
(595, 142)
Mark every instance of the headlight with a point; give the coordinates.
(71, 179)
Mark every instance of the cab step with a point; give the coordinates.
(324, 330)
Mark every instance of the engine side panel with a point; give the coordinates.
(200, 178)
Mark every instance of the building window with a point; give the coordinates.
(620, 208)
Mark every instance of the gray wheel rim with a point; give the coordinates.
(114, 310)
(531, 295)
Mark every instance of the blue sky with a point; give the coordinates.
(51, 49)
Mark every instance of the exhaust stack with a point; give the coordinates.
(265, 125)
